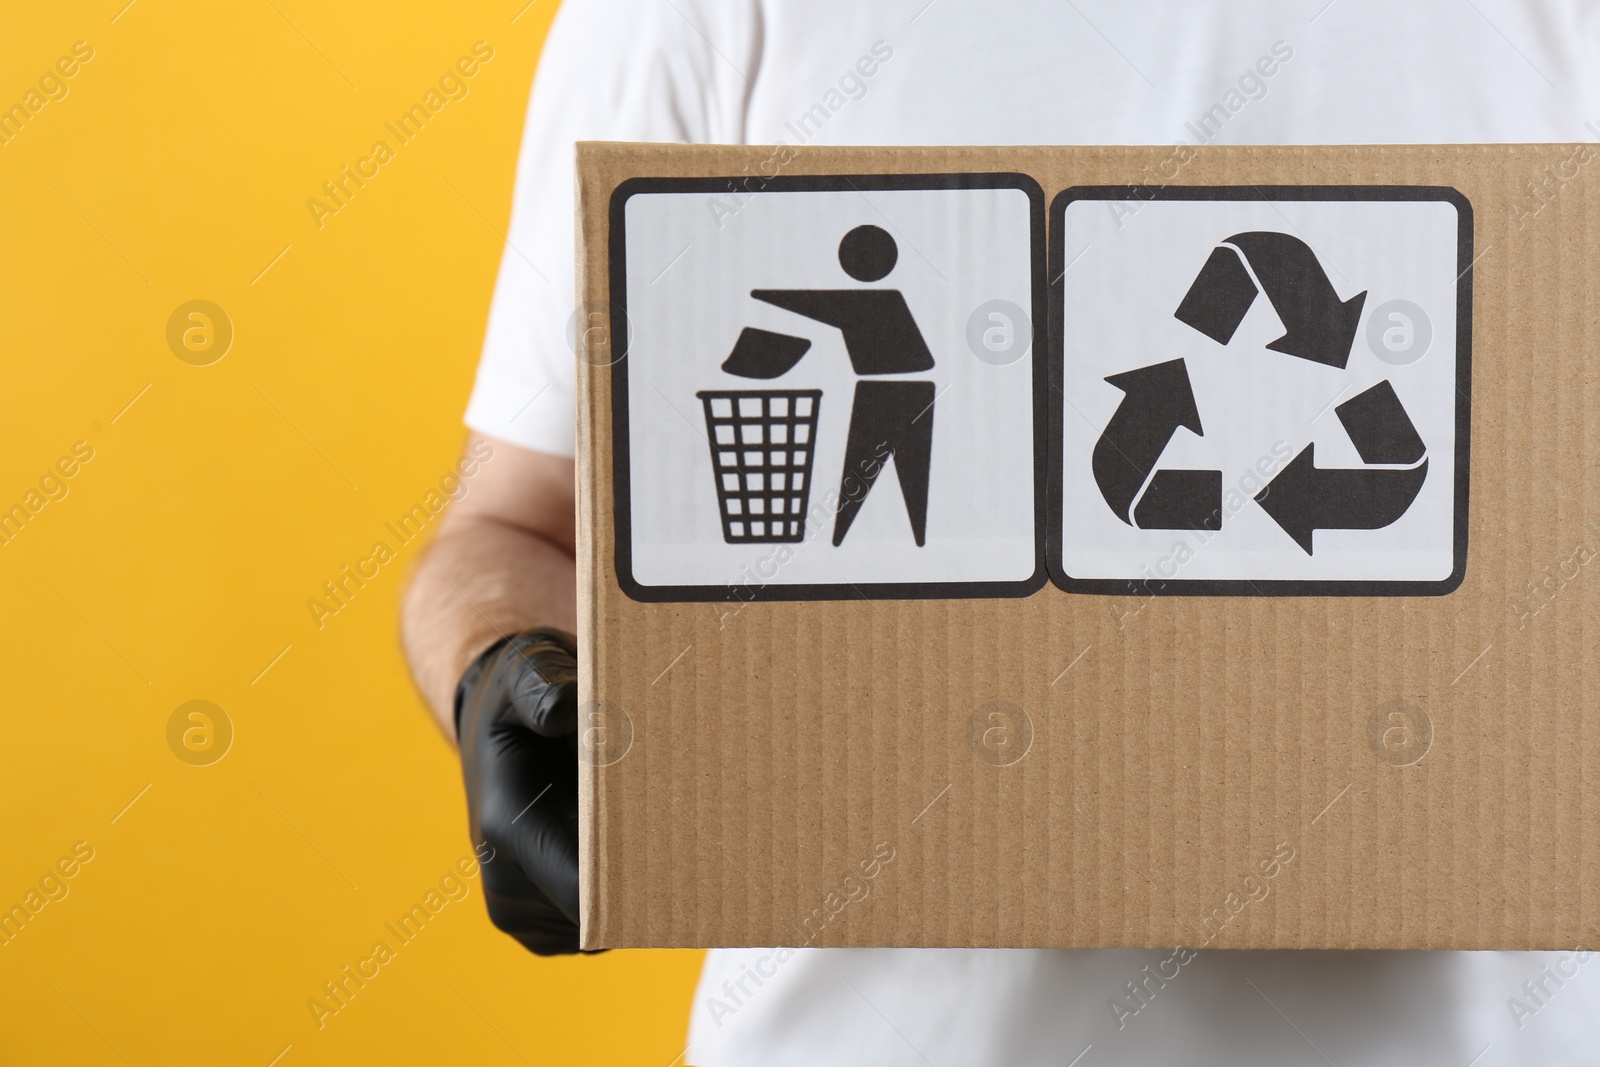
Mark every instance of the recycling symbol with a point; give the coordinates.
(1320, 328)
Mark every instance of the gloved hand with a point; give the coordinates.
(516, 720)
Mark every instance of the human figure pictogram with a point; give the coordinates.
(887, 418)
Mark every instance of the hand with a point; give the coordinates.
(516, 719)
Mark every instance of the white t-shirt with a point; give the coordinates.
(1034, 72)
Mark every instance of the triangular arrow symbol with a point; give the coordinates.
(1304, 498)
(1318, 325)
(1158, 400)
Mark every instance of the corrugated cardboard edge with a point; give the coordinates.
(591, 799)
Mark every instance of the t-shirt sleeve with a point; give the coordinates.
(612, 70)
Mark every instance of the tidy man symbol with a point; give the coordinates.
(881, 337)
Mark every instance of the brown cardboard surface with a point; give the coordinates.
(804, 773)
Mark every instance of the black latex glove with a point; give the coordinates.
(516, 719)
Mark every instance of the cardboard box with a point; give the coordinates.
(1074, 546)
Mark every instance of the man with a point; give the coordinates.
(892, 418)
(953, 72)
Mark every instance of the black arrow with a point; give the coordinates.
(1319, 326)
(1380, 428)
(1181, 500)
(1219, 296)
(1304, 498)
(1159, 400)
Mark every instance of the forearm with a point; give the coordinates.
(482, 579)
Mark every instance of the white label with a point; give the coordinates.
(830, 390)
(1260, 391)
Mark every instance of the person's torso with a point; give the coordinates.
(1349, 71)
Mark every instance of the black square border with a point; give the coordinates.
(748, 185)
(1267, 193)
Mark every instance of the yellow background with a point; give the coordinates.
(179, 565)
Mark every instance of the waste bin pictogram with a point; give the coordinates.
(762, 442)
